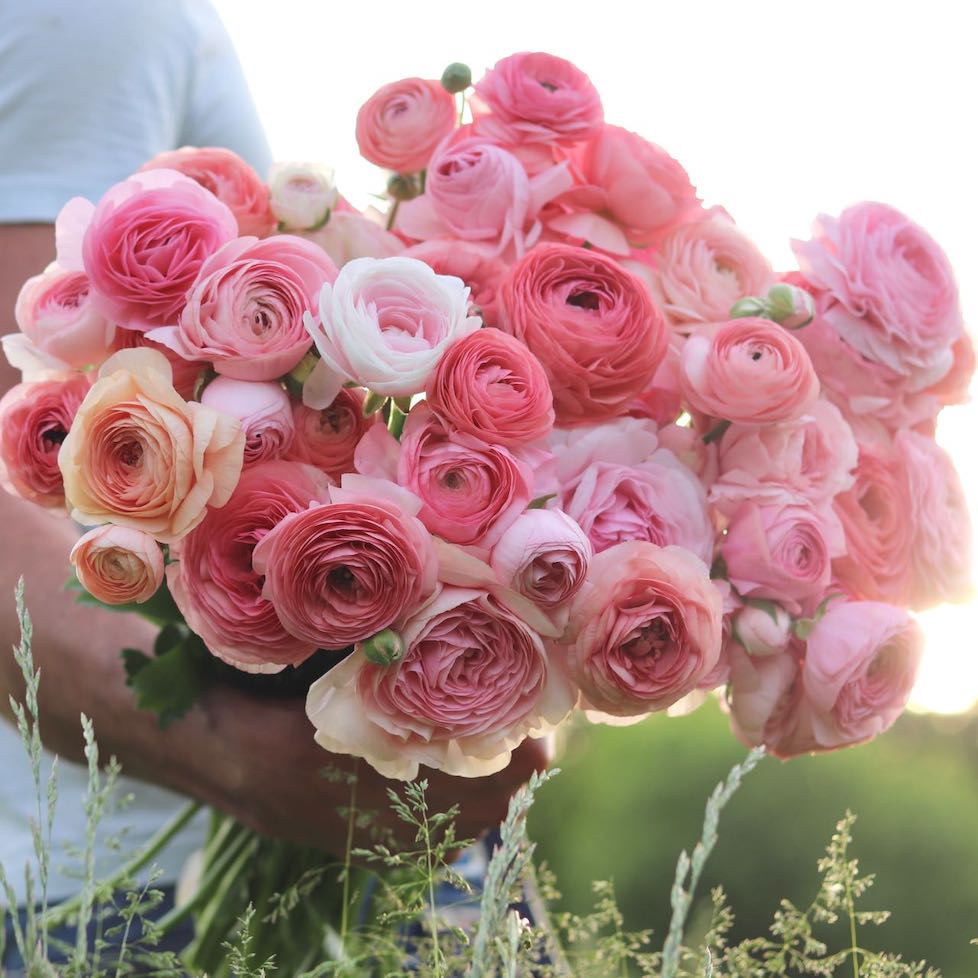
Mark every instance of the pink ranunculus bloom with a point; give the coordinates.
(953, 387)
(118, 565)
(343, 570)
(264, 410)
(813, 457)
(229, 178)
(145, 243)
(940, 556)
(592, 325)
(54, 312)
(35, 418)
(687, 444)
(877, 517)
(385, 324)
(302, 195)
(470, 491)
(213, 579)
(891, 290)
(703, 268)
(400, 125)
(661, 400)
(763, 630)
(860, 664)
(490, 386)
(644, 630)
(478, 192)
(482, 273)
(748, 370)
(140, 456)
(327, 438)
(349, 235)
(187, 374)
(780, 550)
(474, 682)
(658, 500)
(245, 312)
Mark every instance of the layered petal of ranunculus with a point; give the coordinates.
(229, 178)
(474, 681)
(327, 438)
(212, 575)
(140, 456)
(118, 565)
(245, 313)
(345, 569)
(385, 324)
(35, 418)
(264, 410)
(348, 236)
(645, 629)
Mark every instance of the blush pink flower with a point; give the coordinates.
(303, 195)
(35, 418)
(490, 386)
(245, 312)
(347, 236)
(591, 324)
(327, 438)
(341, 571)
(400, 125)
(748, 370)
(118, 565)
(212, 575)
(644, 630)
(229, 178)
(763, 630)
(264, 410)
(482, 273)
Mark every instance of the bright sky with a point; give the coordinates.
(778, 111)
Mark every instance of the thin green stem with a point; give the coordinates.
(436, 963)
(392, 215)
(348, 854)
(853, 946)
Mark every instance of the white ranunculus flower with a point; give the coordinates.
(302, 194)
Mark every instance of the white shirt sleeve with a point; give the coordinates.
(91, 90)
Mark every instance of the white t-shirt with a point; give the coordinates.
(90, 90)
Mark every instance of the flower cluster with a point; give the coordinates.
(549, 435)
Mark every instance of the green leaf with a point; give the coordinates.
(160, 609)
(169, 684)
(541, 501)
(170, 635)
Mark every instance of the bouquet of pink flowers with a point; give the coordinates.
(549, 435)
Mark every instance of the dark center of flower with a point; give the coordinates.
(341, 579)
(549, 86)
(261, 322)
(584, 300)
(648, 642)
(131, 454)
(332, 419)
(54, 436)
(453, 479)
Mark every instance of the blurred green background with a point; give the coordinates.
(629, 798)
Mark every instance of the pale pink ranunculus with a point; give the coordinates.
(644, 630)
(35, 418)
(748, 370)
(400, 125)
(780, 550)
(482, 273)
(622, 441)
(145, 243)
(245, 312)
(860, 664)
(940, 552)
(954, 386)
(327, 438)
(385, 324)
(343, 570)
(592, 325)
(703, 268)
(762, 630)
(658, 500)
(536, 98)
(687, 444)
(490, 386)
(118, 565)
(213, 579)
(54, 312)
(478, 192)
(348, 236)
(470, 491)
(140, 456)
(229, 178)
(814, 457)
(877, 517)
(303, 195)
(891, 291)
(264, 410)
(475, 681)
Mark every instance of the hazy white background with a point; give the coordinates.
(778, 110)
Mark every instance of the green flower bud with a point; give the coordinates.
(384, 649)
(790, 306)
(403, 186)
(750, 305)
(456, 77)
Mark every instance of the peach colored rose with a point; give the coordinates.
(328, 438)
(118, 565)
(264, 410)
(400, 125)
(748, 370)
(35, 418)
(644, 629)
(214, 582)
(245, 312)
(229, 178)
(490, 386)
(473, 683)
(138, 455)
(591, 324)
